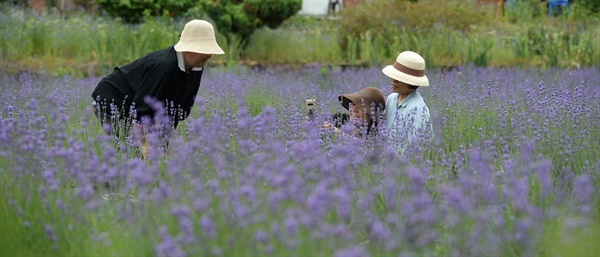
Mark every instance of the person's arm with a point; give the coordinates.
(389, 113)
(339, 119)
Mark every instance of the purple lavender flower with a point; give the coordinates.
(186, 225)
(207, 226)
(291, 225)
(583, 191)
(216, 251)
(356, 251)
(48, 230)
(261, 237)
(456, 200)
(379, 231)
(168, 247)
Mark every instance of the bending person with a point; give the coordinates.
(170, 77)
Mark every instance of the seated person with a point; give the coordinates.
(364, 107)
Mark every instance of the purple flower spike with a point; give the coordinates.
(357, 251)
(168, 247)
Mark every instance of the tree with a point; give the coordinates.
(593, 6)
(241, 17)
(132, 11)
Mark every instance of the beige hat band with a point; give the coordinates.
(417, 73)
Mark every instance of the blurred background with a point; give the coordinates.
(85, 37)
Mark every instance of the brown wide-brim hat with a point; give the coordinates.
(198, 36)
(408, 68)
(366, 96)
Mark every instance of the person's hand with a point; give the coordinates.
(327, 125)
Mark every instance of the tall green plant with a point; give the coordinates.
(376, 51)
(479, 50)
(520, 46)
(233, 49)
(292, 45)
(586, 52)
(519, 12)
(352, 50)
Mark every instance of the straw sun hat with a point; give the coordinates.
(198, 36)
(366, 95)
(408, 68)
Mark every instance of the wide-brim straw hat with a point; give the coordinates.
(198, 36)
(366, 96)
(408, 68)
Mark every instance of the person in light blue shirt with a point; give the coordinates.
(407, 116)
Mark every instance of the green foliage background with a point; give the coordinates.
(592, 6)
(133, 11)
(243, 17)
(234, 18)
(446, 33)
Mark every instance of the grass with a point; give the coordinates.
(41, 228)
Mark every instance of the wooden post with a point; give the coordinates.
(498, 6)
(38, 5)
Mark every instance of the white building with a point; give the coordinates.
(320, 7)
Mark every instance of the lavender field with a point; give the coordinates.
(513, 170)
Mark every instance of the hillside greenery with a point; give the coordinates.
(447, 33)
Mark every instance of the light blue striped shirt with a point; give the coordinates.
(407, 121)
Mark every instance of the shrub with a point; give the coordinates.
(377, 16)
(242, 17)
(593, 6)
(133, 11)
(388, 18)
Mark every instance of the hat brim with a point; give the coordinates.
(353, 98)
(206, 47)
(392, 72)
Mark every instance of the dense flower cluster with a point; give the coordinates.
(514, 153)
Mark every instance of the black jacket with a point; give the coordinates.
(157, 75)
